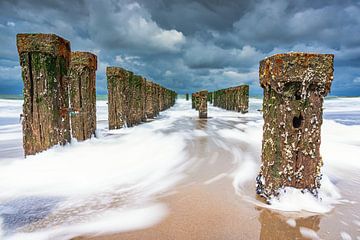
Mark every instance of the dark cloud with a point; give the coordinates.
(189, 45)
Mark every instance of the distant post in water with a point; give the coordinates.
(44, 60)
(202, 103)
(295, 85)
(210, 97)
(187, 97)
(193, 100)
(82, 80)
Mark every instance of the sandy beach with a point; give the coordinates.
(176, 177)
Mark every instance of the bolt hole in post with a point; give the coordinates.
(297, 121)
(297, 96)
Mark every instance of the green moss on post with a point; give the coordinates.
(44, 60)
(294, 88)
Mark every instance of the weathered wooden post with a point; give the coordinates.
(161, 98)
(244, 98)
(82, 81)
(135, 97)
(187, 97)
(44, 60)
(150, 95)
(294, 88)
(117, 83)
(202, 103)
(197, 101)
(156, 99)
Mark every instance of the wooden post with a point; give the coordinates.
(44, 60)
(82, 81)
(243, 98)
(150, 95)
(294, 88)
(187, 97)
(117, 82)
(156, 98)
(202, 103)
(196, 99)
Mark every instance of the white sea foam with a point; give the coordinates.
(345, 236)
(293, 200)
(309, 233)
(137, 163)
(291, 222)
(108, 222)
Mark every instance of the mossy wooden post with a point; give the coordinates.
(118, 85)
(202, 103)
(82, 81)
(294, 88)
(244, 98)
(135, 99)
(187, 97)
(143, 99)
(156, 99)
(44, 60)
(150, 95)
(161, 98)
(196, 99)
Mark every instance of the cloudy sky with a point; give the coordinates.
(189, 45)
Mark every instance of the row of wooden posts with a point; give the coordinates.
(60, 93)
(133, 99)
(234, 98)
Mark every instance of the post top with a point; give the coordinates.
(116, 71)
(148, 82)
(84, 58)
(203, 91)
(296, 54)
(44, 43)
(305, 68)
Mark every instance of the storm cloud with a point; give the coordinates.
(189, 45)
